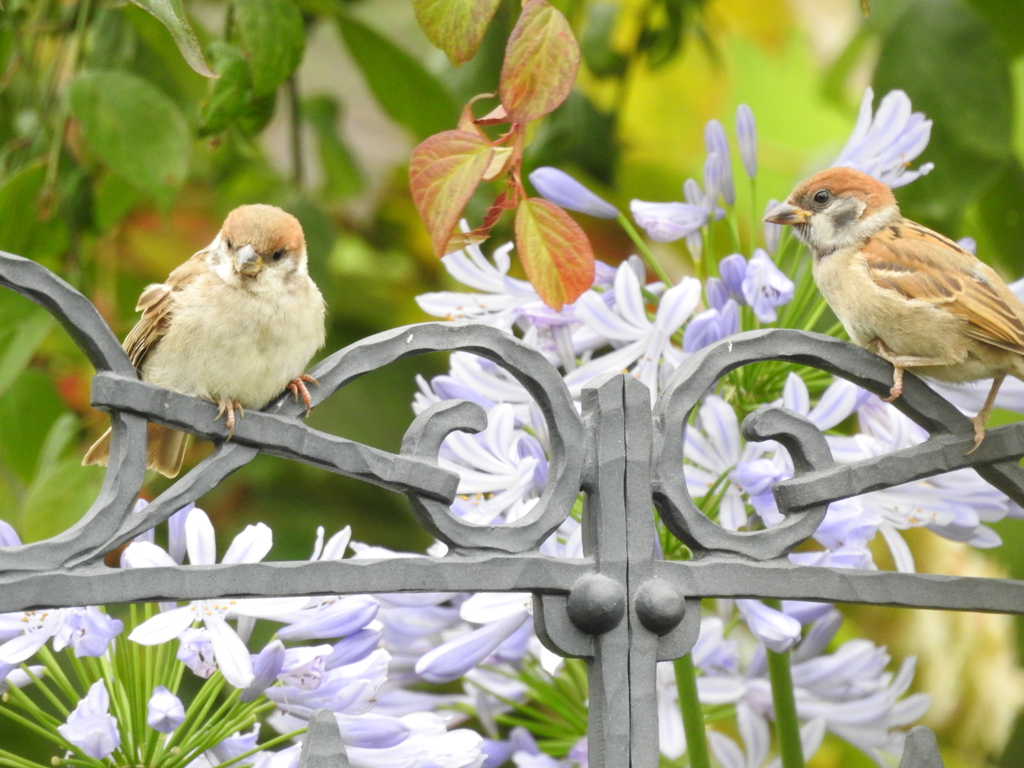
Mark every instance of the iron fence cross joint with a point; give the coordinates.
(619, 607)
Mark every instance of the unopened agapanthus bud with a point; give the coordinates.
(91, 727)
(456, 657)
(733, 269)
(562, 189)
(165, 712)
(772, 232)
(265, 667)
(716, 142)
(713, 178)
(665, 222)
(746, 137)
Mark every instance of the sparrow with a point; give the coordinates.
(236, 324)
(909, 294)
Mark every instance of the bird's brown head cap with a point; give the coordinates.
(266, 228)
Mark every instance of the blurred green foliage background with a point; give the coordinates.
(118, 161)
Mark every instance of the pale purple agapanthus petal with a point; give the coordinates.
(372, 731)
(746, 137)
(8, 536)
(453, 659)
(562, 189)
(200, 540)
(677, 304)
(353, 648)
(88, 631)
(726, 751)
(629, 300)
(22, 647)
(195, 651)
(716, 292)
(251, 545)
(766, 287)
(755, 733)
(733, 269)
(884, 145)
(176, 544)
(232, 656)
(163, 627)
(265, 668)
(710, 326)
(164, 711)
(716, 141)
(666, 222)
(968, 244)
(337, 619)
(775, 629)
(91, 727)
(143, 554)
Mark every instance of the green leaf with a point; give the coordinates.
(22, 232)
(555, 252)
(134, 128)
(1007, 19)
(230, 92)
(342, 177)
(443, 173)
(541, 61)
(955, 69)
(457, 27)
(172, 14)
(1001, 215)
(405, 90)
(28, 335)
(57, 498)
(273, 38)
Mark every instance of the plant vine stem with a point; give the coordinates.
(645, 252)
(295, 117)
(53, 158)
(693, 715)
(754, 218)
(787, 726)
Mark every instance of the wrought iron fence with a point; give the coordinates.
(618, 607)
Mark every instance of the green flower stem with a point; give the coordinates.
(120, 705)
(16, 761)
(787, 726)
(45, 690)
(266, 745)
(693, 714)
(196, 713)
(30, 724)
(755, 219)
(645, 252)
(54, 670)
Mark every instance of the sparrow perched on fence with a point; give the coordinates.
(236, 324)
(911, 295)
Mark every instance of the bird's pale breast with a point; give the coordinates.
(228, 342)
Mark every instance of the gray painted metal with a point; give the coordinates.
(618, 607)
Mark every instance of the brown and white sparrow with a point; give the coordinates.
(909, 294)
(236, 324)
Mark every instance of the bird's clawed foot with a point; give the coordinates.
(297, 387)
(979, 420)
(225, 406)
(897, 385)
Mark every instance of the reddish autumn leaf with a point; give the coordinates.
(497, 116)
(474, 237)
(466, 120)
(455, 26)
(444, 171)
(556, 253)
(540, 62)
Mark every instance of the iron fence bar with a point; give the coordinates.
(782, 580)
(100, 585)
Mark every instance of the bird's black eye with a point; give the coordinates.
(822, 196)
(228, 243)
(277, 255)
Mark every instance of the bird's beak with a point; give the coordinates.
(786, 213)
(248, 262)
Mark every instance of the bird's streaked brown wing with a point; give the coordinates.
(918, 263)
(157, 306)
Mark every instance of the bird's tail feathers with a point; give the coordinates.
(164, 453)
